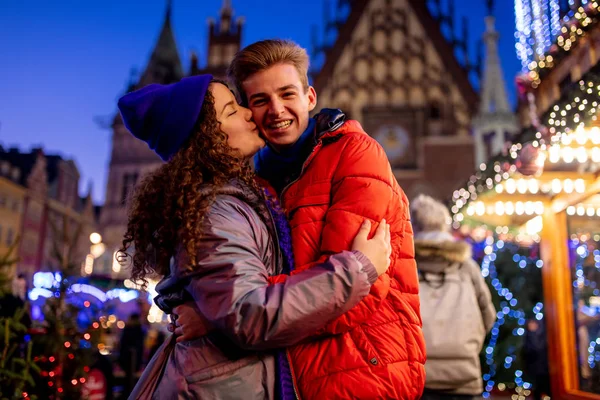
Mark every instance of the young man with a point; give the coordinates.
(330, 175)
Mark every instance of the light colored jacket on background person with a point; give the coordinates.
(229, 281)
(456, 304)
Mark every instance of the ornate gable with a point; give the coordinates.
(391, 68)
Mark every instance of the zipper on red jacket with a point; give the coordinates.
(294, 384)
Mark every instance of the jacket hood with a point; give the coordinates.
(437, 257)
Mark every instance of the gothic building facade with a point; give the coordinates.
(389, 66)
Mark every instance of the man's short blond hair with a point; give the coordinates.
(264, 54)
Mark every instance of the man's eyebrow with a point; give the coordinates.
(281, 89)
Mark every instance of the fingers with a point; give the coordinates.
(364, 230)
(388, 236)
(381, 230)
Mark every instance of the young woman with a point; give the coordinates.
(203, 223)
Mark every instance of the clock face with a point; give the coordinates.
(394, 140)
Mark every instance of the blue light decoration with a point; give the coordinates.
(45, 282)
(510, 310)
(579, 253)
(537, 24)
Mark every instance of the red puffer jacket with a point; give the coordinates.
(376, 350)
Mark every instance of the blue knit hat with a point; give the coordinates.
(164, 115)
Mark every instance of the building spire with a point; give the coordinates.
(226, 16)
(490, 7)
(164, 65)
(495, 122)
(494, 98)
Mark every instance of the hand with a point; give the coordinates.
(187, 322)
(378, 249)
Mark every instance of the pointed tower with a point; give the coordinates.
(131, 158)
(224, 40)
(164, 65)
(495, 123)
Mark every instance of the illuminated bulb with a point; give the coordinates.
(580, 135)
(533, 186)
(499, 188)
(511, 186)
(590, 212)
(479, 208)
(539, 207)
(499, 208)
(580, 211)
(95, 238)
(556, 185)
(89, 264)
(566, 139)
(534, 226)
(529, 208)
(595, 135)
(509, 208)
(522, 185)
(470, 211)
(568, 155)
(596, 154)
(581, 154)
(519, 208)
(568, 186)
(579, 185)
(554, 153)
(598, 213)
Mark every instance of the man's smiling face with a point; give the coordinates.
(280, 103)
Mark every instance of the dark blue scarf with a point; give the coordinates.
(285, 384)
(279, 168)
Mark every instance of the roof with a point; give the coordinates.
(442, 46)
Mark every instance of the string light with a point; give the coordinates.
(510, 310)
(574, 26)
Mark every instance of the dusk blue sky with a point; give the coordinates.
(65, 62)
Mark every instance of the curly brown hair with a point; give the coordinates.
(168, 206)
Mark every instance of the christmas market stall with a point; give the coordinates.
(537, 207)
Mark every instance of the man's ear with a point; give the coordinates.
(312, 98)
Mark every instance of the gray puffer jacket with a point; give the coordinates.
(450, 279)
(229, 281)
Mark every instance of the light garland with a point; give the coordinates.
(566, 140)
(509, 310)
(575, 25)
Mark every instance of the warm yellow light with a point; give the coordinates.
(95, 238)
(509, 208)
(499, 209)
(534, 186)
(579, 185)
(97, 249)
(556, 185)
(534, 226)
(510, 186)
(568, 155)
(89, 264)
(568, 186)
(116, 265)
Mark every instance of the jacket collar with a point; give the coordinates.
(332, 122)
(437, 257)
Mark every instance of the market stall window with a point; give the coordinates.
(583, 221)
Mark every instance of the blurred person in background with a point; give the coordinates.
(456, 305)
